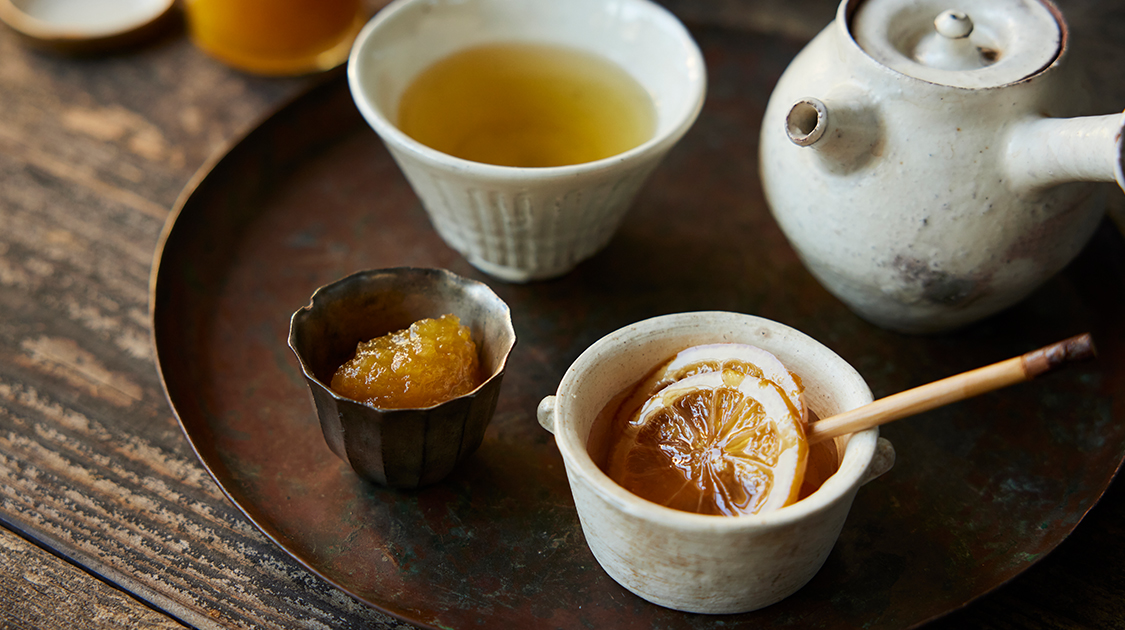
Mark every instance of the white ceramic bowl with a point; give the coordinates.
(521, 224)
(696, 562)
(86, 26)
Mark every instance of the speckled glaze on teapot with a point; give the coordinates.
(923, 163)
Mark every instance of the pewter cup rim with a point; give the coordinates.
(325, 290)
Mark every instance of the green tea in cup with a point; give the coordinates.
(527, 105)
(527, 127)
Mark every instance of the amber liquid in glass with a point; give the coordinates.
(276, 37)
(527, 105)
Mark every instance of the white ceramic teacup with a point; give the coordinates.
(695, 562)
(522, 224)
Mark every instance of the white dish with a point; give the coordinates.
(83, 25)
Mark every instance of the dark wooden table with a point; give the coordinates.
(106, 517)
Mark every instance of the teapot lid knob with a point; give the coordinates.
(953, 24)
(949, 48)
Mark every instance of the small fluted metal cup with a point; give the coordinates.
(400, 448)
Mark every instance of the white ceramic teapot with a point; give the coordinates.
(921, 162)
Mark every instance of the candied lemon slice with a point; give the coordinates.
(739, 357)
(721, 442)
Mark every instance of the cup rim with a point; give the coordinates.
(857, 458)
(393, 136)
(322, 291)
(118, 22)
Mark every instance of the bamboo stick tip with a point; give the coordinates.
(954, 388)
(1077, 348)
(1080, 348)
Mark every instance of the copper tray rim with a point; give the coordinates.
(335, 79)
(214, 162)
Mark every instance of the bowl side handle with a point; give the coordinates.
(546, 413)
(881, 461)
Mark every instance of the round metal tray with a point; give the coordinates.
(982, 489)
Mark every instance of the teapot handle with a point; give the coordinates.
(1045, 152)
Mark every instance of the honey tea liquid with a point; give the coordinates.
(527, 105)
(610, 427)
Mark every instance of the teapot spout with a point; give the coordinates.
(1045, 152)
(843, 131)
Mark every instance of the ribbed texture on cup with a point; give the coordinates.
(519, 235)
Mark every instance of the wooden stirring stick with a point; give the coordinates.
(953, 389)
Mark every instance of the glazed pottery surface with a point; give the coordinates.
(521, 224)
(695, 562)
(924, 194)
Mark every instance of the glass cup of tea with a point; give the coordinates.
(527, 127)
(276, 37)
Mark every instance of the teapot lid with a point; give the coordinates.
(994, 43)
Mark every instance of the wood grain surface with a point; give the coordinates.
(40, 589)
(93, 154)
